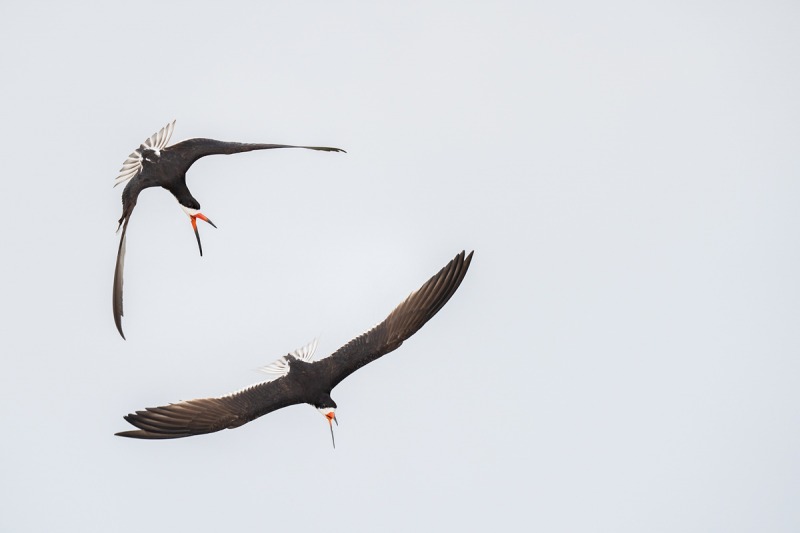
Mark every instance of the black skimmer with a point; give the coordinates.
(154, 164)
(298, 379)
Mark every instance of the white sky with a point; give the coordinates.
(622, 356)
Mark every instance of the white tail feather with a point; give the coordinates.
(133, 164)
(280, 367)
(306, 353)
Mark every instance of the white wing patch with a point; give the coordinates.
(306, 353)
(133, 164)
(280, 367)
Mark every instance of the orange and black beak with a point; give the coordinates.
(194, 218)
(331, 419)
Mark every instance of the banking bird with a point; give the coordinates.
(298, 379)
(154, 164)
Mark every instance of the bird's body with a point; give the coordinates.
(154, 164)
(301, 380)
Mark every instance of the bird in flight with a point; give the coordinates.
(296, 377)
(154, 164)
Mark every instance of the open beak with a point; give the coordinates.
(331, 419)
(194, 218)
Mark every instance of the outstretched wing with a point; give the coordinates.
(129, 197)
(116, 298)
(406, 319)
(133, 164)
(280, 367)
(208, 415)
(191, 150)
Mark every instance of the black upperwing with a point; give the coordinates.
(116, 298)
(208, 415)
(129, 197)
(191, 150)
(406, 319)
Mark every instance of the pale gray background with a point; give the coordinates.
(622, 357)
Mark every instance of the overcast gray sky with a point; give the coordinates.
(622, 356)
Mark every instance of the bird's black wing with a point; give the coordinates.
(129, 197)
(116, 299)
(191, 150)
(404, 321)
(207, 415)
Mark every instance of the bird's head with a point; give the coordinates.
(328, 410)
(150, 155)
